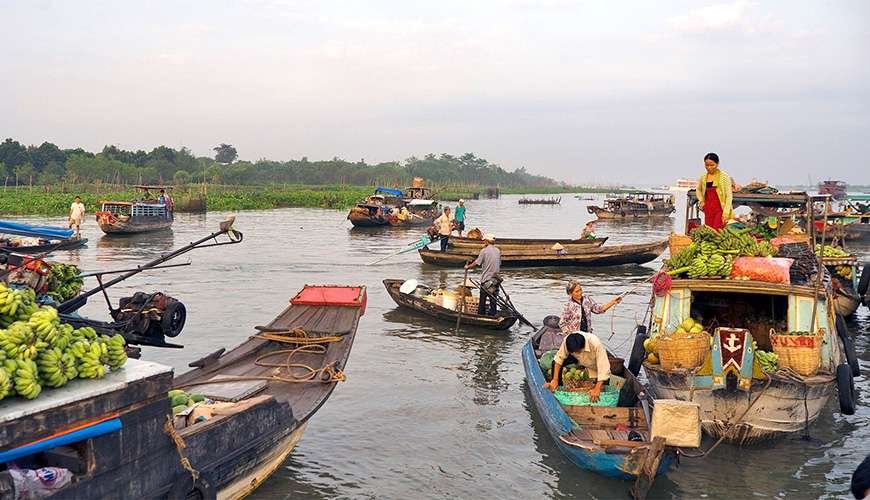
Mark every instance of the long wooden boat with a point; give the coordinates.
(421, 305)
(67, 244)
(594, 438)
(47, 238)
(575, 257)
(124, 217)
(635, 205)
(519, 243)
(119, 438)
(540, 201)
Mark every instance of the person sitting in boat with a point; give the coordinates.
(445, 227)
(586, 350)
(588, 231)
(580, 307)
(489, 259)
(714, 193)
(459, 217)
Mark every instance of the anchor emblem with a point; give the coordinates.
(732, 344)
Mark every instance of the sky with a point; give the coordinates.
(583, 91)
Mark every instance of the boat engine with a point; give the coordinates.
(150, 317)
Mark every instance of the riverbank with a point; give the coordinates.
(55, 200)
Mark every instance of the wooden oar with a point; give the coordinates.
(504, 304)
(462, 304)
(422, 242)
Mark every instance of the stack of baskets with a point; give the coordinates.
(683, 350)
(800, 351)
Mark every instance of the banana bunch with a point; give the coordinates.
(5, 383)
(19, 341)
(11, 300)
(704, 233)
(829, 251)
(116, 352)
(87, 355)
(64, 282)
(45, 322)
(25, 377)
(684, 257)
(84, 333)
(55, 367)
(698, 268)
(769, 361)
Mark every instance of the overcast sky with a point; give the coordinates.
(583, 91)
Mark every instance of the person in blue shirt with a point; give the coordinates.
(459, 218)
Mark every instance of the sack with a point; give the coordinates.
(766, 269)
(546, 361)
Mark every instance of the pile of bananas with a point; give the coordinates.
(712, 252)
(829, 251)
(37, 350)
(64, 282)
(844, 271)
(769, 361)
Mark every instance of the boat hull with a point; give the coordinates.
(368, 221)
(602, 213)
(135, 226)
(530, 243)
(245, 485)
(69, 244)
(592, 257)
(558, 423)
(780, 408)
(442, 313)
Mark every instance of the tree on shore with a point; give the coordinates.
(225, 153)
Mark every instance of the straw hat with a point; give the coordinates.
(489, 237)
(461, 201)
(557, 246)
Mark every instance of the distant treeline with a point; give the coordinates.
(47, 164)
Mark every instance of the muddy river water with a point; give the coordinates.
(426, 413)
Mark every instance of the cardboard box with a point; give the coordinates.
(679, 422)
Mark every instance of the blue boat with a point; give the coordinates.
(50, 238)
(596, 438)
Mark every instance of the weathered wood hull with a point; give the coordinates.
(543, 245)
(69, 244)
(134, 226)
(602, 213)
(573, 257)
(780, 409)
(558, 424)
(442, 313)
(367, 221)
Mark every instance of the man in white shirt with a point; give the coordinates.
(77, 215)
(587, 351)
(445, 227)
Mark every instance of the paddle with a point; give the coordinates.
(505, 305)
(462, 303)
(410, 247)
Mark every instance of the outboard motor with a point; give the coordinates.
(150, 317)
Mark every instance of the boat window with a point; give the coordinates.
(116, 209)
(149, 210)
(757, 313)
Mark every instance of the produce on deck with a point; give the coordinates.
(64, 282)
(38, 351)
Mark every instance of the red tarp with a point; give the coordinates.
(331, 295)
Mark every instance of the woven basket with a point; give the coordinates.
(801, 353)
(685, 352)
(578, 385)
(677, 242)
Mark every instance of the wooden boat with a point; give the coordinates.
(521, 243)
(540, 201)
(588, 435)
(836, 189)
(37, 239)
(635, 205)
(382, 208)
(577, 257)
(125, 217)
(118, 437)
(844, 290)
(421, 305)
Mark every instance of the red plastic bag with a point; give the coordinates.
(767, 269)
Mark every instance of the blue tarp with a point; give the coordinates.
(391, 191)
(48, 232)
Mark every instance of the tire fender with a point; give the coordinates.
(185, 487)
(848, 346)
(864, 284)
(635, 361)
(846, 389)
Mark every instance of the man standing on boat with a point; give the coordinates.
(586, 350)
(489, 259)
(459, 217)
(77, 215)
(445, 227)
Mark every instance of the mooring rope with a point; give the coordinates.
(180, 445)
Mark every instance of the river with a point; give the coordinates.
(426, 413)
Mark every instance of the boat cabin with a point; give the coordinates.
(639, 202)
(776, 208)
(123, 209)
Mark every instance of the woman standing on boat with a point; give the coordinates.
(714, 193)
(578, 310)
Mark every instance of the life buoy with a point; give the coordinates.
(846, 389)
(638, 353)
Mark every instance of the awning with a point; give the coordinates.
(390, 191)
(415, 203)
(47, 232)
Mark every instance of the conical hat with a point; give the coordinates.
(557, 246)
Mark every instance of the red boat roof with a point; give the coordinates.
(331, 295)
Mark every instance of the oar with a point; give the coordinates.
(505, 305)
(422, 242)
(462, 304)
(510, 303)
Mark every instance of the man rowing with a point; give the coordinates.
(489, 259)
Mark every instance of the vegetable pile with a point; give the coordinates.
(181, 400)
(37, 350)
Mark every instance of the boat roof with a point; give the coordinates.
(19, 229)
(421, 202)
(131, 203)
(858, 197)
(791, 199)
(390, 191)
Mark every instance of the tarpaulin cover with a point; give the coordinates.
(391, 191)
(16, 228)
(325, 295)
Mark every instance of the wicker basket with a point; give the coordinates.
(578, 385)
(677, 242)
(683, 352)
(801, 353)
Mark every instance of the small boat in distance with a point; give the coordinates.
(30, 239)
(635, 205)
(394, 207)
(837, 189)
(683, 185)
(130, 217)
(540, 201)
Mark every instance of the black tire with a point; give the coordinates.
(173, 319)
(851, 357)
(635, 361)
(864, 283)
(184, 488)
(846, 389)
(842, 327)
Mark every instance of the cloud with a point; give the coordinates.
(719, 17)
